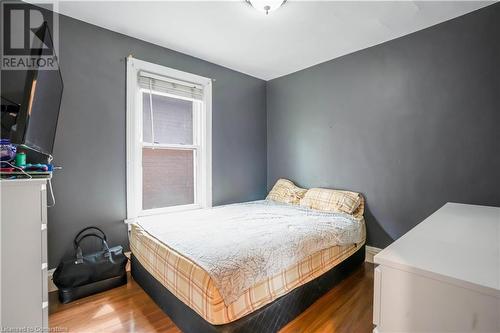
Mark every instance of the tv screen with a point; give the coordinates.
(43, 110)
(36, 121)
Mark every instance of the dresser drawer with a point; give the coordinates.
(43, 251)
(45, 284)
(24, 211)
(43, 204)
(414, 302)
(45, 315)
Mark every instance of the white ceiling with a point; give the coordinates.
(296, 36)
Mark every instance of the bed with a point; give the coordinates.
(248, 267)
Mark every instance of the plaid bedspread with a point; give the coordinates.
(194, 286)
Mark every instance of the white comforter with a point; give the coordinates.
(242, 244)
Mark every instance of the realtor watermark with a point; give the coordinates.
(29, 35)
(34, 329)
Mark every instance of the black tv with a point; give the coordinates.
(36, 122)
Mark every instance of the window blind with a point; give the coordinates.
(170, 86)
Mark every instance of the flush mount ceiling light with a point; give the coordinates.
(266, 6)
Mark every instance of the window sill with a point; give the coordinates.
(164, 211)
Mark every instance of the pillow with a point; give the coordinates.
(286, 191)
(358, 213)
(331, 200)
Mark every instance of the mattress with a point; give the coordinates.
(195, 287)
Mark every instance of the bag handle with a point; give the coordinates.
(105, 247)
(76, 241)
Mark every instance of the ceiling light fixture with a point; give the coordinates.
(266, 6)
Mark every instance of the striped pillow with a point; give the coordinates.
(358, 213)
(287, 192)
(331, 200)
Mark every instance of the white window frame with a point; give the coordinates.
(203, 154)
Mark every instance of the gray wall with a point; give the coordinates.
(411, 124)
(90, 142)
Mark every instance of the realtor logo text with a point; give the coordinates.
(29, 36)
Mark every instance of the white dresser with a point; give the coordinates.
(23, 253)
(443, 275)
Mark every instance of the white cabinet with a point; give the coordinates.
(443, 275)
(23, 254)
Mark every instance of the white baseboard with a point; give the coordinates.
(370, 253)
(50, 272)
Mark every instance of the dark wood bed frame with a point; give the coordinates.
(268, 319)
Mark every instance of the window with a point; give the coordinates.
(168, 140)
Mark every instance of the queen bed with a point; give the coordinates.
(248, 267)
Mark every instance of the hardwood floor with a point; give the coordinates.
(346, 308)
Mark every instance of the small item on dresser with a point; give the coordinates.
(21, 159)
(7, 150)
(38, 167)
(88, 274)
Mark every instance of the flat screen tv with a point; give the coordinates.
(36, 122)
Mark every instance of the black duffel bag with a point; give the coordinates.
(88, 274)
